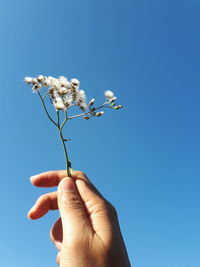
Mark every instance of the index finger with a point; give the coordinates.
(53, 178)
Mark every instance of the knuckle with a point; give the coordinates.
(101, 206)
(112, 211)
(72, 200)
(43, 197)
(108, 207)
(80, 173)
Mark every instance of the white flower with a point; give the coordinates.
(63, 81)
(80, 100)
(34, 81)
(83, 106)
(28, 79)
(58, 103)
(56, 83)
(36, 86)
(53, 93)
(67, 99)
(109, 94)
(40, 78)
(75, 82)
(81, 95)
(62, 90)
(49, 81)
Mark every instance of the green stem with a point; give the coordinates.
(45, 109)
(45, 95)
(65, 120)
(88, 113)
(68, 163)
(79, 115)
(58, 118)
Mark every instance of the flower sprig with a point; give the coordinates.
(65, 94)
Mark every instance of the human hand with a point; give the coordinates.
(88, 232)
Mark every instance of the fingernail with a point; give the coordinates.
(58, 245)
(32, 178)
(31, 210)
(29, 213)
(67, 185)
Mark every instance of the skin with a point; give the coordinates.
(87, 234)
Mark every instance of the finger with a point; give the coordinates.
(86, 189)
(72, 211)
(52, 178)
(58, 258)
(101, 213)
(48, 179)
(43, 204)
(48, 201)
(89, 194)
(56, 234)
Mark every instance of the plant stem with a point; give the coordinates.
(65, 120)
(45, 95)
(80, 115)
(45, 109)
(58, 118)
(68, 163)
(88, 113)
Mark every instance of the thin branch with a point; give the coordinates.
(80, 115)
(89, 113)
(104, 106)
(45, 95)
(58, 118)
(45, 109)
(65, 120)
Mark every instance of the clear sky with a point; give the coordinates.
(144, 158)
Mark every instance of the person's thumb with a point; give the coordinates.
(72, 210)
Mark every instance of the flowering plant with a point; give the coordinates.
(64, 94)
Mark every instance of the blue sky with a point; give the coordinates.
(144, 158)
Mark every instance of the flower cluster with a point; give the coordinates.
(62, 92)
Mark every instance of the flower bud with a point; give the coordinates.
(98, 114)
(118, 107)
(34, 81)
(75, 82)
(109, 94)
(91, 102)
(86, 117)
(112, 99)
